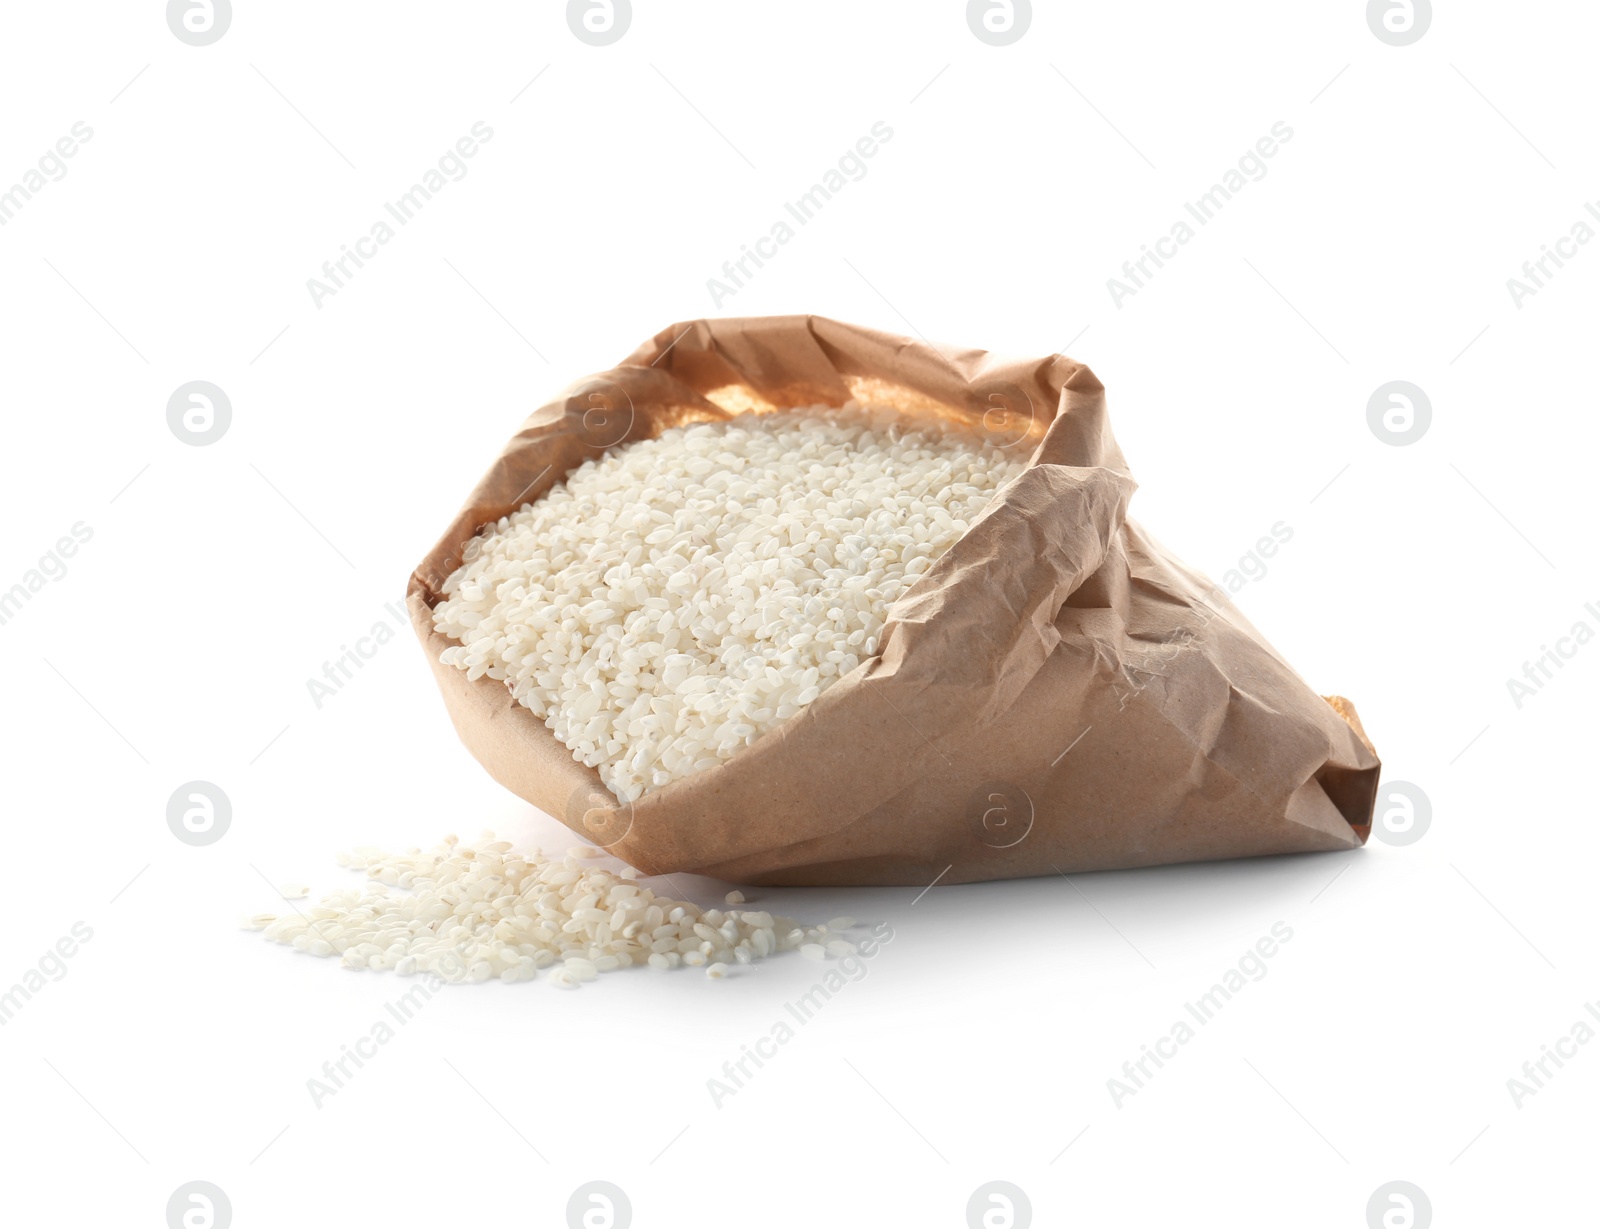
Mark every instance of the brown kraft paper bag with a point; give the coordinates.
(1057, 693)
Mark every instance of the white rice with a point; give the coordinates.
(677, 598)
(472, 912)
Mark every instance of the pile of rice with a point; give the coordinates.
(677, 598)
(468, 912)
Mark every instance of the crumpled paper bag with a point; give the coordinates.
(1058, 692)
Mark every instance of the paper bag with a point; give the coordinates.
(1058, 692)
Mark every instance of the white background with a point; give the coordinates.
(1018, 180)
